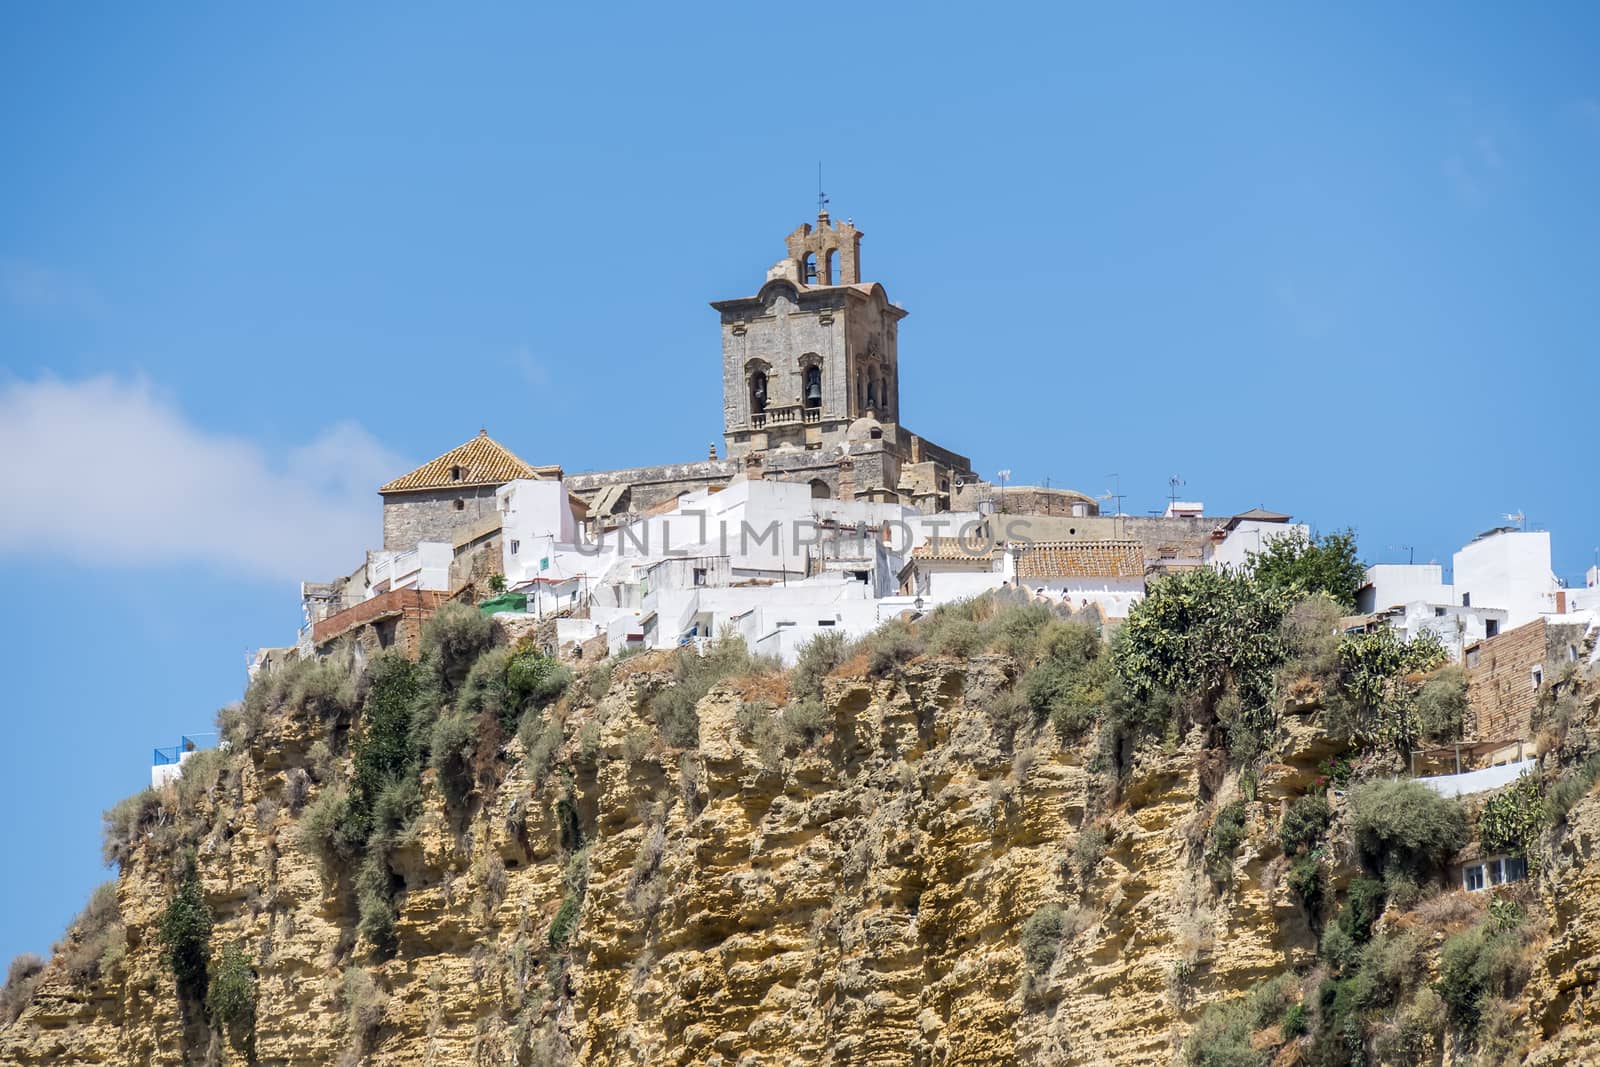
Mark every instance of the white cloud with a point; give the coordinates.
(107, 473)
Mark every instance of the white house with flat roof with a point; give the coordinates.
(1510, 569)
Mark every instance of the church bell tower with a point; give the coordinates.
(813, 351)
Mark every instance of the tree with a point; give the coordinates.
(1199, 631)
(1301, 565)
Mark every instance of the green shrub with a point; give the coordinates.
(1513, 819)
(1403, 825)
(1299, 565)
(125, 823)
(1088, 849)
(535, 679)
(1072, 681)
(185, 936)
(1376, 704)
(1268, 1001)
(1198, 631)
(1016, 629)
(21, 977)
(1310, 635)
(393, 814)
(453, 639)
(1221, 1037)
(1569, 788)
(199, 776)
(1363, 903)
(231, 1002)
(563, 925)
(375, 907)
(694, 674)
(890, 647)
(321, 687)
(1223, 840)
(1308, 882)
(96, 939)
(1475, 965)
(1294, 1024)
(1304, 824)
(541, 734)
(1441, 705)
(959, 639)
(487, 691)
(324, 829)
(1041, 937)
(451, 753)
(804, 722)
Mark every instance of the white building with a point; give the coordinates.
(1510, 569)
(1393, 584)
(1250, 532)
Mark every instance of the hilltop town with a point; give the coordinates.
(826, 514)
(825, 749)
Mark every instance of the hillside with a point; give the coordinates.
(989, 838)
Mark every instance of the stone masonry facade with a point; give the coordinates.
(1506, 673)
(435, 515)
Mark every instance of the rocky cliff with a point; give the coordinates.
(859, 895)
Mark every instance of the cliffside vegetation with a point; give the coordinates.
(1004, 832)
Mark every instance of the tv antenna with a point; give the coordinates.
(1116, 491)
(1519, 518)
(1175, 483)
(1411, 552)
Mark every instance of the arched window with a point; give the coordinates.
(820, 490)
(808, 269)
(813, 387)
(758, 392)
(830, 268)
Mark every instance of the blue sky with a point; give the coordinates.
(1341, 263)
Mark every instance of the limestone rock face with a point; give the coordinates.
(856, 901)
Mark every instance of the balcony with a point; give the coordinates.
(794, 415)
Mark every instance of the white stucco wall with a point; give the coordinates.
(1249, 536)
(1508, 569)
(1391, 584)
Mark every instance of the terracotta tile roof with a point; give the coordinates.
(481, 461)
(1082, 559)
(950, 551)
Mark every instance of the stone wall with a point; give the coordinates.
(1501, 685)
(433, 515)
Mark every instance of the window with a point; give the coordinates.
(1491, 627)
(813, 387)
(808, 269)
(1472, 877)
(758, 392)
(825, 622)
(516, 546)
(455, 474)
(1516, 868)
(1466, 600)
(460, 505)
(699, 576)
(1496, 872)
(1538, 676)
(830, 273)
(1438, 613)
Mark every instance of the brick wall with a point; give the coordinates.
(1500, 681)
(389, 620)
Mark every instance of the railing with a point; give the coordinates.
(811, 415)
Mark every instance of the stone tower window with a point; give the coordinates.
(808, 268)
(830, 268)
(758, 392)
(460, 505)
(813, 387)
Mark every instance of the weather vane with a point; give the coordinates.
(822, 197)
